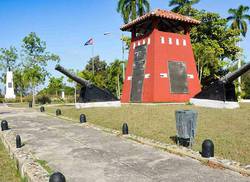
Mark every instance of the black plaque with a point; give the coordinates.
(138, 73)
(9, 85)
(178, 77)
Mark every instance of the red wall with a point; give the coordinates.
(156, 88)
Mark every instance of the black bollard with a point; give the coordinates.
(57, 177)
(83, 118)
(42, 109)
(58, 112)
(4, 125)
(18, 141)
(30, 104)
(207, 149)
(125, 129)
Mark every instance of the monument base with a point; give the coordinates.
(214, 103)
(245, 100)
(10, 96)
(98, 104)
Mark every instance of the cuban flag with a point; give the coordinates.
(89, 42)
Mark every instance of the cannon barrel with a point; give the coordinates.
(230, 77)
(73, 76)
(89, 92)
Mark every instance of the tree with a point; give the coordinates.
(246, 85)
(183, 6)
(76, 85)
(130, 9)
(238, 18)
(207, 55)
(127, 40)
(115, 80)
(8, 58)
(34, 75)
(100, 76)
(35, 60)
(215, 45)
(99, 65)
(20, 82)
(55, 84)
(68, 90)
(106, 77)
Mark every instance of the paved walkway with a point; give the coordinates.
(85, 154)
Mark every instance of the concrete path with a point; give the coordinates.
(85, 154)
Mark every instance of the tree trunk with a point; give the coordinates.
(200, 73)
(198, 66)
(118, 87)
(239, 78)
(33, 95)
(21, 97)
(75, 92)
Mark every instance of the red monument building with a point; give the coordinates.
(161, 65)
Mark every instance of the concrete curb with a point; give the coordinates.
(25, 161)
(214, 162)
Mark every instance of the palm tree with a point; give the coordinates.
(130, 9)
(183, 6)
(238, 18)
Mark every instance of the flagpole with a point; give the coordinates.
(123, 64)
(93, 62)
(91, 42)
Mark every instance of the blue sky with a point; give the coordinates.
(66, 25)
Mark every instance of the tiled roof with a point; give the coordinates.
(161, 14)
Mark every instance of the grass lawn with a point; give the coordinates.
(8, 171)
(229, 129)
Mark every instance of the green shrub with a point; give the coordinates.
(58, 101)
(70, 99)
(11, 100)
(189, 103)
(43, 99)
(27, 98)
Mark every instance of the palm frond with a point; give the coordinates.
(140, 8)
(176, 9)
(126, 13)
(232, 11)
(243, 8)
(176, 2)
(194, 2)
(133, 10)
(172, 3)
(243, 26)
(120, 6)
(147, 5)
(230, 18)
(247, 17)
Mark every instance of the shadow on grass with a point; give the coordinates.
(185, 142)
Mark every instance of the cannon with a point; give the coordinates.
(224, 88)
(89, 92)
